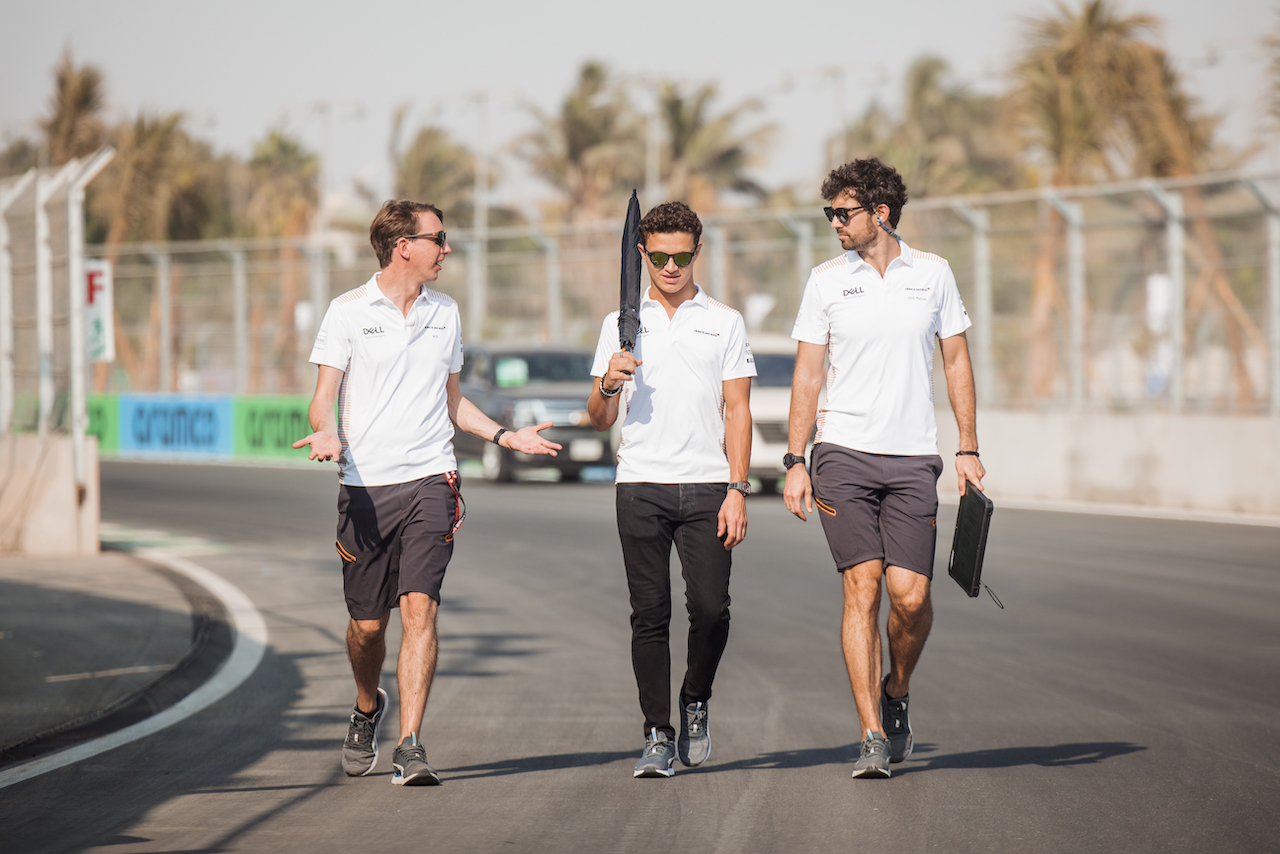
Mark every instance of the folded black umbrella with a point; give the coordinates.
(629, 295)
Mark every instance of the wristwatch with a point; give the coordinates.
(743, 486)
(789, 460)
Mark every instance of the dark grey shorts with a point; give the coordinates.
(876, 506)
(394, 540)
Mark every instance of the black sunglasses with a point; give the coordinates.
(437, 238)
(845, 214)
(682, 259)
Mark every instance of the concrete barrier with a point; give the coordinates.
(1214, 463)
(42, 513)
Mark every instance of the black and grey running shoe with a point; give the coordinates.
(897, 726)
(658, 757)
(694, 745)
(874, 761)
(360, 750)
(410, 764)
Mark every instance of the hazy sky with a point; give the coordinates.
(238, 68)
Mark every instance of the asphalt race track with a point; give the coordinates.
(1127, 698)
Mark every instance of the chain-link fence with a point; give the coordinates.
(1161, 295)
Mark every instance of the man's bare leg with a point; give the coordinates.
(910, 619)
(418, 653)
(860, 639)
(367, 649)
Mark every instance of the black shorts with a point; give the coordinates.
(877, 506)
(394, 540)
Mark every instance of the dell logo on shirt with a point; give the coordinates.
(373, 330)
(854, 292)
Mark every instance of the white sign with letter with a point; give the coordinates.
(99, 313)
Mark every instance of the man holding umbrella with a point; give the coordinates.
(685, 385)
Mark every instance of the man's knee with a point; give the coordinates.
(862, 586)
(418, 613)
(909, 594)
(366, 633)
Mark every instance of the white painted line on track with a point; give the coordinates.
(250, 632)
(1137, 511)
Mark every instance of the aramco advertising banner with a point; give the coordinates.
(204, 426)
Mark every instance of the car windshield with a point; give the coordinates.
(512, 370)
(774, 369)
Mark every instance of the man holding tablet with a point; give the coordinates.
(874, 312)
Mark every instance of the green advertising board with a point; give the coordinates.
(268, 426)
(104, 420)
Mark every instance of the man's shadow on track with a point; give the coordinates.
(1061, 755)
(1053, 756)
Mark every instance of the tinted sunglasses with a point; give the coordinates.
(682, 259)
(845, 214)
(438, 238)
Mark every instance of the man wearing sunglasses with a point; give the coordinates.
(682, 475)
(874, 312)
(388, 354)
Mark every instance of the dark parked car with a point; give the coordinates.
(522, 385)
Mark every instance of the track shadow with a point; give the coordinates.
(1048, 756)
(554, 762)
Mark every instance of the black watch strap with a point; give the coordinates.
(789, 460)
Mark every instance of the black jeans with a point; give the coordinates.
(650, 517)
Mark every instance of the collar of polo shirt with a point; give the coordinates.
(904, 255)
(699, 296)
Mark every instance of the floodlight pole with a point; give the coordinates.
(477, 274)
(46, 187)
(979, 220)
(1175, 241)
(7, 198)
(77, 293)
(718, 238)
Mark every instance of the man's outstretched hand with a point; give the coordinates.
(324, 446)
(527, 441)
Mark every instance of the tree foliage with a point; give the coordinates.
(705, 153)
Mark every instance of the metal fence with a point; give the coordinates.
(1143, 295)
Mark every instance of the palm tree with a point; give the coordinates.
(949, 140)
(706, 154)
(74, 127)
(1075, 86)
(282, 203)
(436, 169)
(590, 149)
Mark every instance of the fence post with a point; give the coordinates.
(1175, 241)
(803, 232)
(550, 247)
(164, 288)
(719, 262)
(1073, 213)
(7, 198)
(76, 293)
(477, 298)
(1272, 207)
(980, 221)
(239, 319)
(46, 187)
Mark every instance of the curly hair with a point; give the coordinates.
(671, 218)
(872, 181)
(398, 218)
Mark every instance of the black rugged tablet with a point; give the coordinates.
(970, 543)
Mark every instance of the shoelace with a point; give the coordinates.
(695, 723)
(870, 746)
(362, 729)
(414, 751)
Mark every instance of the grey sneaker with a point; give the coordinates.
(360, 750)
(897, 726)
(694, 745)
(874, 761)
(410, 764)
(658, 757)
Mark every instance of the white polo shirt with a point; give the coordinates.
(393, 414)
(880, 336)
(673, 426)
